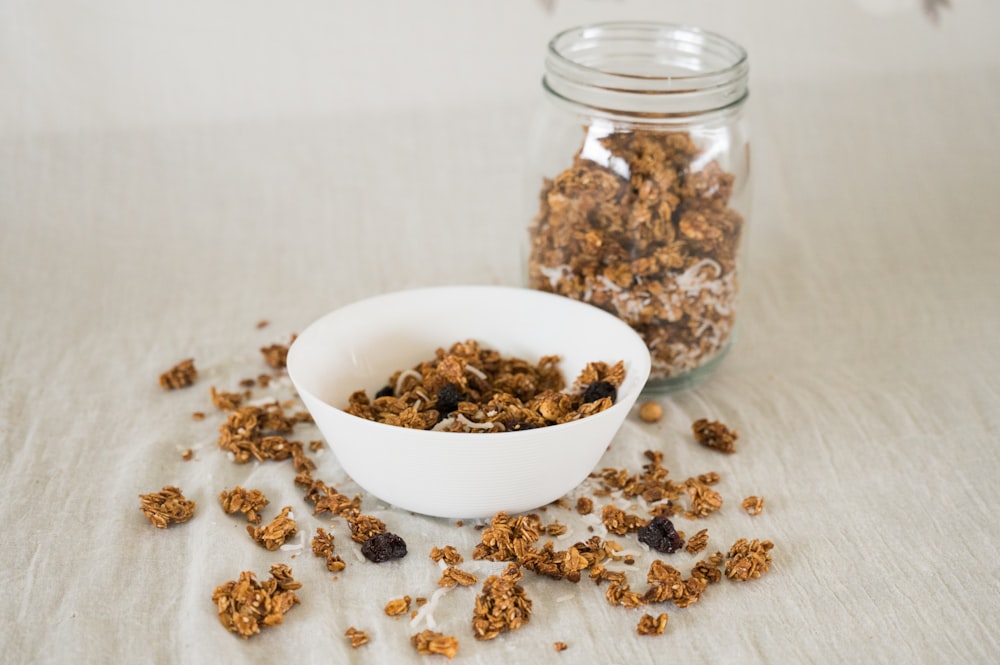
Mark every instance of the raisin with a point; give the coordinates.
(383, 547)
(599, 390)
(661, 535)
(385, 392)
(448, 398)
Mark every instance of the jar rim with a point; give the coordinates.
(646, 68)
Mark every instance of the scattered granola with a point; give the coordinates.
(666, 583)
(753, 505)
(449, 555)
(471, 389)
(322, 546)
(357, 637)
(650, 412)
(187, 455)
(246, 607)
(714, 435)
(181, 375)
(428, 642)
(640, 226)
(697, 542)
(273, 535)
(704, 500)
(239, 500)
(502, 605)
(748, 559)
(709, 569)
(276, 355)
(398, 606)
(452, 576)
(619, 522)
(560, 646)
(584, 505)
(166, 507)
(227, 401)
(650, 625)
(198, 415)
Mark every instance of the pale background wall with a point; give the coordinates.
(71, 65)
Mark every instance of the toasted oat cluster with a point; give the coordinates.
(181, 375)
(357, 637)
(650, 625)
(273, 535)
(166, 507)
(322, 546)
(429, 642)
(640, 225)
(276, 355)
(246, 607)
(754, 505)
(240, 500)
(748, 559)
(502, 606)
(714, 435)
(471, 389)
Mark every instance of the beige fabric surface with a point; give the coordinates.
(864, 383)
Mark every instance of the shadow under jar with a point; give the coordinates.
(641, 150)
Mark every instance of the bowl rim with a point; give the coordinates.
(644, 360)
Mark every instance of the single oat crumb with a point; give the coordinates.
(198, 415)
(181, 375)
(246, 607)
(697, 542)
(316, 445)
(227, 401)
(273, 535)
(584, 505)
(560, 646)
(398, 606)
(428, 642)
(262, 323)
(651, 412)
(650, 625)
(357, 637)
(187, 455)
(459, 523)
(247, 383)
(239, 500)
(753, 505)
(166, 507)
(714, 435)
(748, 559)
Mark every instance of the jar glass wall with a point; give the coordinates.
(641, 164)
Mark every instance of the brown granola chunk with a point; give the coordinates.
(398, 606)
(714, 435)
(697, 542)
(753, 505)
(323, 546)
(239, 500)
(273, 535)
(428, 642)
(560, 646)
(584, 505)
(748, 559)
(357, 637)
(181, 375)
(276, 355)
(246, 607)
(650, 625)
(502, 605)
(448, 554)
(166, 507)
(452, 576)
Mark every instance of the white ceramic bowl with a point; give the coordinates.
(455, 474)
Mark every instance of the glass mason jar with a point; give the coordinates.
(641, 154)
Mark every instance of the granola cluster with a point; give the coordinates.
(715, 435)
(640, 225)
(181, 375)
(166, 507)
(246, 607)
(240, 500)
(471, 389)
(429, 642)
(502, 606)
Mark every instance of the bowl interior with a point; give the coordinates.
(360, 345)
